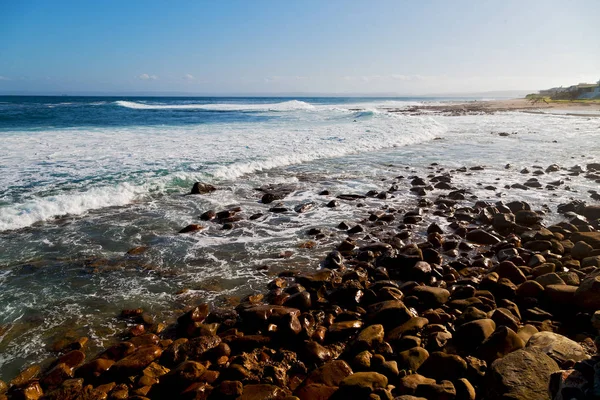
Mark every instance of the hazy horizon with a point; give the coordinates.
(334, 48)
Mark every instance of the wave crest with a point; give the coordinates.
(290, 105)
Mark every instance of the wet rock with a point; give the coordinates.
(94, 368)
(523, 374)
(313, 352)
(202, 188)
(191, 228)
(57, 375)
(482, 237)
(344, 329)
(26, 376)
(262, 391)
(136, 361)
(412, 326)
(324, 381)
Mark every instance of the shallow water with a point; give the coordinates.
(83, 180)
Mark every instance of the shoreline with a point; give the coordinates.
(494, 106)
(393, 312)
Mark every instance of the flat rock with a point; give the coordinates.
(559, 347)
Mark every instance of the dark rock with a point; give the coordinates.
(482, 237)
(202, 188)
(441, 366)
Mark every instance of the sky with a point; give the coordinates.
(329, 47)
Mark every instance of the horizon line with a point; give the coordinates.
(501, 93)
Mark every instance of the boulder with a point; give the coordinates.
(559, 347)
(522, 374)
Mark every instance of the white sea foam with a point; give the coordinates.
(97, 168)
(283, 106)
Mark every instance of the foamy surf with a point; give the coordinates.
(180, 156)
(290, 105)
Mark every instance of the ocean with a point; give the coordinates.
(85, 179)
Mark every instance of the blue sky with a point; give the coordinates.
(406, 47)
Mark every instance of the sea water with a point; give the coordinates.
(83, 180)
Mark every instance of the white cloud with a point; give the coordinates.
(189, 77)
(4, 78)
(146, 77)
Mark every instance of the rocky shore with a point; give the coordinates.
(494, 106)
(439, 301)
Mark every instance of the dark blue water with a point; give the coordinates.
(48, 112)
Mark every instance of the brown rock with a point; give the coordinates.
(591, 238)
(26, 376)
(409, 383)
(364, 381)
(480, 236)
(191, 228)
(472, 334)
(441, 366)
(412, 358)
(558, 347)
(136, 361)
(370, 336)
(502, 342)
(509, 270)
(439, 391)
(523, 374)
(464, 390)
(588, 293)
(202, 188)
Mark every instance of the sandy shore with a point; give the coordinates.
(490, 107)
